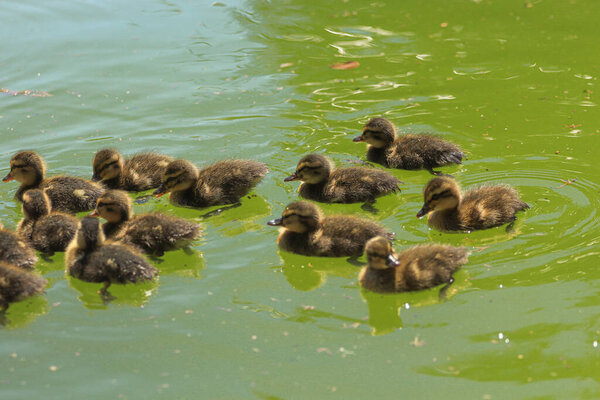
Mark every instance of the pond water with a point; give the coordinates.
(512, 82)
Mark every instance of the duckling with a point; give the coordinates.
(92, 259)
(142, 171)
(321, 182)
(408, 151)
(480, 208)
(152, 233)
(47, 231)
(417, 268)
(223, 182)
(305, 231)
(17, 285)
(15, 251)
(67, 193)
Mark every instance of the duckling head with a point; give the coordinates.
(36, 204)
(179, 175)
(114, 206)
(26, 167)
(312, 169)
(107, 164)
(89, 234)
(380, 254)
(440, 193)
(299, 217)
(378, 132)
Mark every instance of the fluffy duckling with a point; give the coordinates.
(306, 231)
(17, 285)
(47, 231)
(321, 182)
(66, 193)
(152, 233)
(407, 151)
(223, 182)
(419, 267)
(91, 259)
(15, 251)
(480, 208)
(142, 171)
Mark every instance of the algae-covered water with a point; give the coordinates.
(512, 82)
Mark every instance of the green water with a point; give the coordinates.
(512, 82)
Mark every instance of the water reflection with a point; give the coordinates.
(23, 313)
(136, 295)
(309, 273)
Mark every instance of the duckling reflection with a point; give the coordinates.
(479, 208)
(16, 251)
(306, 231)
(223, 182)
(321, 182)
(67, 193)
(408, 151)
(47, 231)
(309, 274)
(140, 172)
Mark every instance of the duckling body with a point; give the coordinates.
(16, 251)
(47, 231)
(417, 268)
(67, 193)
(321, 182)
(140, 172)
(223, 182)
(17, 284)
(91, 259)
(305, 231)
(152, 233)
(479, 208)
(408, 151)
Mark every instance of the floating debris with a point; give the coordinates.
(32, 93)
(345, 65)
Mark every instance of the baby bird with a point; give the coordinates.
(67, 193)
(142, 171)
(17, 285)
(91, 259)
(152, 233)
(15, 251)
(408, 151)
(480, 208)
(306, 231)
(321, 182)
(417, 268)
(47, 231)
(223, 182)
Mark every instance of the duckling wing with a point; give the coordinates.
(54, 232)
(427, 266)
(158, 232)
(352, 185)
(16, 251)
(425, 151)
(489, 206)
(119, 264)
(144, 171)
(71, 194)
(225, 182)
(343, 235)
(17, 284)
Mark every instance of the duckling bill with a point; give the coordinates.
(321, 182)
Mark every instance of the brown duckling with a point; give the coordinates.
(15, 251)
(417, 268)
(408, 151)
(479, 208)
(152, 233)
(17, 285)
(66, 193)
(321, 182)
(306, 231)
(92, 259)
(223, 182)
(47, 231)
(140, 172)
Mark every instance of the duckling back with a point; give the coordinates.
(15, 251)
(53, 232)
(413, 152)
(489, 206)
(157, 233)
(70, 194)
(143, 171)
(225, 182)
(352, 185)
(17, 284)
